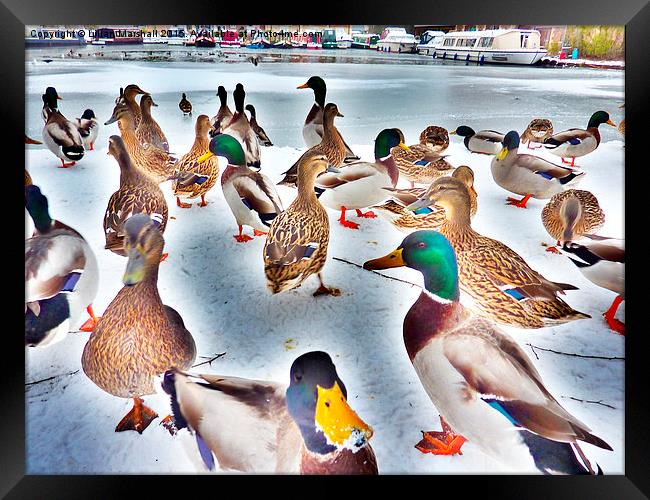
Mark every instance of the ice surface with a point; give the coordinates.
(218, 285)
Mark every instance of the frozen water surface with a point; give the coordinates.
(218, 285)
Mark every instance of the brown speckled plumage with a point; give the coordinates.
(188, 163)
(432, 165)
(138, 337)
(586, 218)
(436, 138)
(148, 131)
(342, 461)
(538, 130)
(127, 98)
(487, 267)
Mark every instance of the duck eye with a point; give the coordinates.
(298, 377)
(327, 403)
(421, 244)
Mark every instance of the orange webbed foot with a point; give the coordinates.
(259, 233)
(368, 215)
(444, 442)
(242, 238)
(138, 419)
(180, 204)
(552, 249)
(349, 224)
(518, 203)
(616, 325)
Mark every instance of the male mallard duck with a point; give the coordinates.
(313, 129)
(267, 427)
(500, 283)
(239, 128)
(50, 99)
(479, 379)
(61, 276)
(185, 105)
(332, 146)
(423, 218)
(60, 135)
(487, 142)
(88, 127)
(251, 196)
(138, 337)
(127, 96)
(360, 184)
(576, 142)
(571, 214)
(137, 194)
(528, 175)
(148, 131)
(259, 131)
(224, 115)
(422, 163)
(296, 246)
(538, 130)
(28, 178)
(153, 161)
(193, 178)
(602, 261)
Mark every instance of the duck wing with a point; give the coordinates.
(62, 131)
(352, 172)
(490, 136)
(573, 136)
(547, 169)
(258, 193)
(406, 196)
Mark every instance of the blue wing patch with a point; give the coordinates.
(247, 203)
(205, 452)
(421, 162)
(71, 282)
(423, 210)
(309, 250)
(574, 140)
(494, 403)
(201, 179)
(515, 293)
(546, 175)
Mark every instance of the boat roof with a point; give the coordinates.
(492, 33)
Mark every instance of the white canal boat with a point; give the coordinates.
(396, 40)
(429, 40)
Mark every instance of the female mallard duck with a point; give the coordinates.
(313, 129)
(296, 246)
(185, 105)
(127, 96)
(571, 214)
(239, 128)
(88, 127)
(193, 178)
(602, 261)
(500, 283)
(538, 130)
(361, 184)
(61, 276)
(138, 337)
(153, 161)
(528, 175)
(250, 195)
(266, 427)
(487, 142)
(61, 136)
(422, 163)
(259, 131)
(483, 384)
(423, 218)
(148, 131)
(137, 194)
(28, 178)
(224, 115)
(332, 146)
(50, 99)
(576, 142)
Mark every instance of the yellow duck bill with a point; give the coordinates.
(502, 154)
(205, 157)
(393, 259)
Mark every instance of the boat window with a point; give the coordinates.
(486, 42)
(449, 42)
(524, 41)
(466, 42)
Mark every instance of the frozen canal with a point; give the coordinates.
(218, 285)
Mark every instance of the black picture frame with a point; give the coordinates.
(634, 14)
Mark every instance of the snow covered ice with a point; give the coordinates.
(218, 285)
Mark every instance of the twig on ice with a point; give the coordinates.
(533, 347)
(209, 360)
(51, 378)
(599, 402)
(383, 275)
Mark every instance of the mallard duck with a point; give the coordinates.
(138, 337)
(422, 163)
(602, 261)
(251, 196)
(137, 194)
(60, 135)
(360, 184)
(528, 175)
(499, 282)
(621, 124)
(424, 217)
(61, 276)
(50, 99)
(185, 105)
(193, 178)
(296, 246)
(313, 129)
(148, 131)
(88, 127)
(484, 385)
(487, 142)
(127, 96)
(332, 146)
(538, 130)
(224, 115)
(571, 214)
(153, 161)
(28, 178)
(576, 142)
(266, 427)
(259, 131)
(239, 128)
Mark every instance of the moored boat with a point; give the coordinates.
(429, 40)
(365, 41)
(230, 38)
(204, 39)
(328, 40)
(394, 39)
